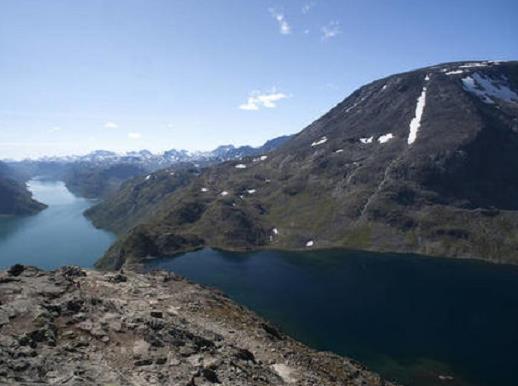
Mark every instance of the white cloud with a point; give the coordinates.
(111, 125)
(250, 105)
(331, 30)
(258, 99)
(134, 135)
(307, 7)
(284, 27)
(54, 129)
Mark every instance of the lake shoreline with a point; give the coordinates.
(409, 317)
(188, 335)
(56, 236)
(385, 310)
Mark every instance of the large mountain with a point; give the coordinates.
(424, 161)
(15, 199)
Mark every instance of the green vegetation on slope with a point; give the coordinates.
(345, 182)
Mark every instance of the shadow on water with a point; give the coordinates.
(10, 225)
(411, 318)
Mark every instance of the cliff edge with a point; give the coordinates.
(73, 327)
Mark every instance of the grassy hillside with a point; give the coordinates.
(377, 172)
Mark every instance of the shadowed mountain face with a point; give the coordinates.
(15, 199)
(424, 161)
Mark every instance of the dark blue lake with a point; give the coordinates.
(56, 236)
(418, 320)
(421, 321)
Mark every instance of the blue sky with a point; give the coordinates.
(158, 74)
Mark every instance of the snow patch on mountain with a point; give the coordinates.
(415, 123)
(454, 72)
(261, 158)
(320, 141)
(487, 89)
(474, 65)
(385, 138)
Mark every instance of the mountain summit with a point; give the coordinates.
(425, 161)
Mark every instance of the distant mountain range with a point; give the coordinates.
(101, 172)
(155, 161)
(425, 161)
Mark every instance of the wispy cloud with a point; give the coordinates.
(134, 135)
(54, 129)
(307, 7)
(111, 125)
(284, 27)
(331, 30)
(258, 99)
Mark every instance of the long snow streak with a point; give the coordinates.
(415, 123)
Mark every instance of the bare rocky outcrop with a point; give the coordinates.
(83, 327)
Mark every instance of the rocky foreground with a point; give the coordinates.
(75, 327)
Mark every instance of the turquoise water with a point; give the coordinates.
(56, 236)
(413, 319)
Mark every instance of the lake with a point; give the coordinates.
(422, 321)
(414, 319)
(56, 236)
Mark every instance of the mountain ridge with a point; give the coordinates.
(101, 173)
(221, 153)
(422, 162)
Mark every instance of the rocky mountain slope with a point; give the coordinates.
(424, 161)
(15, 199)
(91, 181)
(78, 327)
(141, 198)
